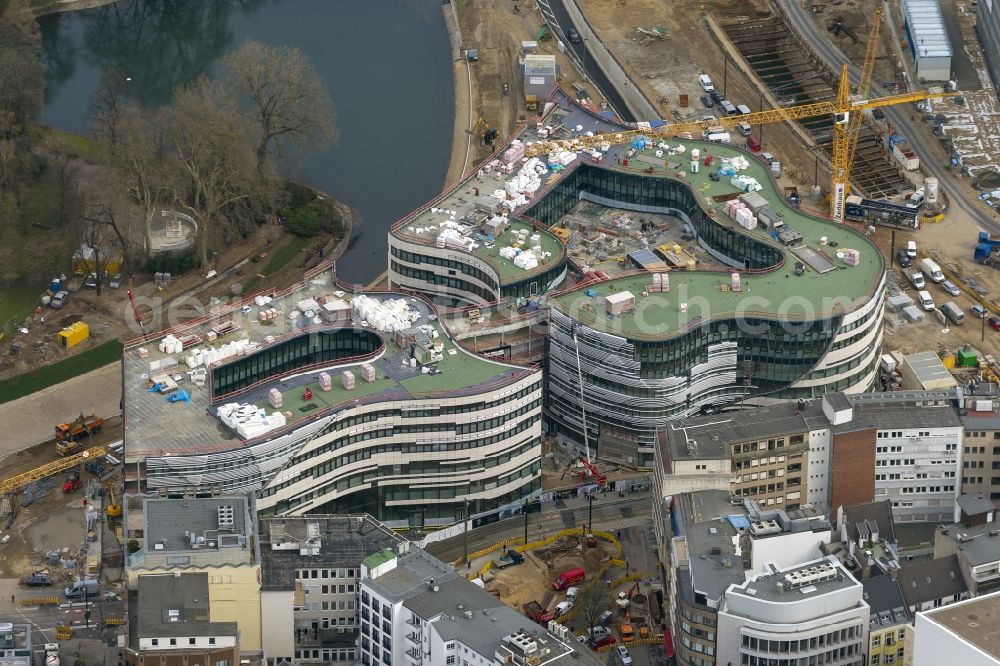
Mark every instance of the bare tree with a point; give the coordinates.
(591, 601)
(139, 161)
(21, 72)
(279, 88)
(106, 107)
(102, 235)
(217, 170)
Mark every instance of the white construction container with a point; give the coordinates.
(620, 303)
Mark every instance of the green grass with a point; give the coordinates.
(16, 302)
(285, 254)
(50, 375)
(66, 142)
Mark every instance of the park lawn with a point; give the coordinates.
(66, 142)
(285, 254)
(50, 375)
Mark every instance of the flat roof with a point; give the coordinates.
(177, 605)
(765, 586)
(156, 427)
(926, 24)
(224, 521)
(977, 621)
(979, 544)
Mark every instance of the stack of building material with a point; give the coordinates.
(337, 309)
(261, 301)
(388, 316)
(746, 219)
(348, 378)
(852, 257)
(267, 314)
(732, 206)
(514, 153)
(620, 303)
(745, 183)
(368, 372)
(661, 282)
(736, 285)
(754, 201)
(171, 345)
(325, 383)
(495, 225)
(526, 260)
(274, 397)
(248, 421)
(143, 352)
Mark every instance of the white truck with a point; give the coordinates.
(915, 277)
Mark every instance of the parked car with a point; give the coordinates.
(978, 310)
(903, 259)
(707, 101)
(605, 617)
(706, 83)
(90, 282)
(624, 656)
(563, 607)
(59, 300)
(598, 632)
(951, 288)
(602, 642)
(573, 36)
(994, 323)
(115, 281)
(37, 580)
(717, 96)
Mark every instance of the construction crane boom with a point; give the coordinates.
(21, 480)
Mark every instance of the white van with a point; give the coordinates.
(706, 83)
(911, 249)
(563, 607)
(743, 109)
(744, 129)
(915, 277)
(916, 199)
(926, 302)
(930, 268)
(719, 137)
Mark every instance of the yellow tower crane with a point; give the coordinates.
(846, 110)
(17, 482)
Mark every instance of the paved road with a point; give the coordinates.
(610, 513)
(30, 419)
(555, 12)
(803, 24)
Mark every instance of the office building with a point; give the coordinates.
(173, 624)
(980, 414)
(417, 611)
(310, 574)
(320, 401)
(814, 612)
(966, 633)
(215, 536)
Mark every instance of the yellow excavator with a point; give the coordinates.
(113, 507)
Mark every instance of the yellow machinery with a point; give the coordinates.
(17, 482)
(114, 509)
(847, 112)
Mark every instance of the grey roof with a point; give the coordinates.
(885, 600)
(411, 576)
(172, 521)
(765, 586)
(172, 605)
(939, 578)
(711, 435)
(978, 545)
(838, 401)
(976, 621)
(884, 416)
(927, 28)
(344, 540)
(879, 513)
(974, 504)
(981, 420)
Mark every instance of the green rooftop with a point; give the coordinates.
(778, 293)
(379, 558)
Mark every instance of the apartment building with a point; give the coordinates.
(813, 612)
(932, 584)
(974, 540)
(174, 624)
(980, 414)
(710, 540)
(889, 622)
(216, 536)
(418, 611)
(310, 574)
(965, 633)
(868, 535)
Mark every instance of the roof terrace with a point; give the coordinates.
(257, 337)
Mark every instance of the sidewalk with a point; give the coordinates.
(30, 419)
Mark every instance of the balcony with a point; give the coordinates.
(414, 654)
(414, 638)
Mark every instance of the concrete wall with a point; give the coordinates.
(637, 103)
(276, 614)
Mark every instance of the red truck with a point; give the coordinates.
(569, 578)
(537, 612)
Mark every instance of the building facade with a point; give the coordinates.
(980, 413)
(950, 636)
(811, 613)
(988, 30)
(309, 585)
(214, 536)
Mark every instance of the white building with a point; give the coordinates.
(810, 613)
(417, 611)
(966, 633)
(927, 37)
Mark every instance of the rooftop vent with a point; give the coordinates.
(227, 517)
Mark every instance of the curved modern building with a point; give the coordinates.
(321, 401)
(802, 317)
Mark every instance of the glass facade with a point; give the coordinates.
(302, 351)
(663, 195)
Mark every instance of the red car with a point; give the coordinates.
(994, 322)
(603, 642)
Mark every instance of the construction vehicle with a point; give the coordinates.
(588, 471)
(987, 250)
(837, 26)
(509, 558)
(52, 654)
(72, 482)
(483, 130)
(113, 508)
(847, 112)
(625, 629)
(538, 613)
(83, 426)
(47, 470)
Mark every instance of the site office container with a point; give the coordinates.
(570, 577)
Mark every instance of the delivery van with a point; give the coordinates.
(82, 588)
(953, 313)
(926, 302)
(930, 268)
